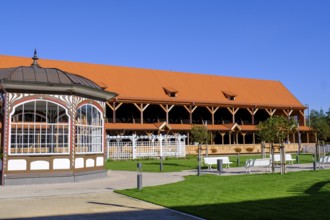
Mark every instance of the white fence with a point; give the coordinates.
(324, 149)
(132, 147)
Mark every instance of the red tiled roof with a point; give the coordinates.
(146, 85)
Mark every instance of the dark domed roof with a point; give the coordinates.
(36, 74)
(37, 79)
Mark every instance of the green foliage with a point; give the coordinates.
(275, 129)
(320, 124)
(297, 195)
(200, 134)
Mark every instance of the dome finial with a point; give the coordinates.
(35, 58)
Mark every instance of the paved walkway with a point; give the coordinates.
(96, 200)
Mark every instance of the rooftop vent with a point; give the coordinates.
(170, 91)
(229, 95)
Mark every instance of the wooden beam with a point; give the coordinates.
(287, 112)
(114, 108)
(252, 111)
(233, 111)
(191, 111)
(141, 108)
(167, 109)
(243, 134)
(222, 136)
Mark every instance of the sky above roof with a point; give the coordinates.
(282, 40)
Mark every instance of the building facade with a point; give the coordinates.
(153, 102)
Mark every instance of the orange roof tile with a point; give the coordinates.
(137, 84)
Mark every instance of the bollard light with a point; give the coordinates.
(139, 176)
(219, 166)
(161, 164)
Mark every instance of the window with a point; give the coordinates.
(89, 130)
(39, 127)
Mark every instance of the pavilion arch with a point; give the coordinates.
(89, 136)
(39, 126)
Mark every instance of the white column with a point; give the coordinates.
(160, 138)
(134, 138)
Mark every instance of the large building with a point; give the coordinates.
(150, 102)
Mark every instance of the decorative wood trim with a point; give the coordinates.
(113, 107)
(252, 111)
(287, 112)
(190, 109)
(270, 112)
(141, 109)
(233, 110)
(166, 108)
(212, 110)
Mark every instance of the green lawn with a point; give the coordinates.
(295, 195)
(189, 163)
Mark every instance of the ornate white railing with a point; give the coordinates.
(133, 147)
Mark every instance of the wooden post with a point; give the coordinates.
(212, 110)
(270, 112)
(230, 138)
(167, 109)
(288, 112)
(252, 111)
(307, 136)
(233, 111)
(222, 137)
(141, 109)
(114, 108)
(243, 134)
(190, 110)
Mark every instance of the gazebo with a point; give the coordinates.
(52, 125)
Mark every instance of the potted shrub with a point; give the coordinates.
(249, 149)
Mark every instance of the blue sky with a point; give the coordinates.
(284, 40)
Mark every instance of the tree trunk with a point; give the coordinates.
(272, 156)
(282, 156)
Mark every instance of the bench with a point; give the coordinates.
(209, 161)
(257, 163)
(288, 158)
(324, 160)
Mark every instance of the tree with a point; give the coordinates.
(200, 135)
(320, 126)
(275, 130)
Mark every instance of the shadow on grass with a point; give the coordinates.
(301, 207)
(314, 204)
